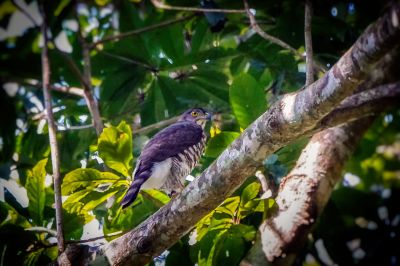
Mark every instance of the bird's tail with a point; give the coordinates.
(132, 193)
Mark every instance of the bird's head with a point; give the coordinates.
(197, 115)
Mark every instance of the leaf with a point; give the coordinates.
(209, 246)
(218, 144)
(130, 217)
(73, 224)
(249, 192)
(36, 191)
(115, 148)
(229, 206)
(154, 107)
(247, 99)
(158, 196)
(87, 179)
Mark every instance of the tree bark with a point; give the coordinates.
(303, 193)
(287, 120)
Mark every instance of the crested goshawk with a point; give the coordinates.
(170, 156)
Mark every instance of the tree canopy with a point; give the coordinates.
(294, 172)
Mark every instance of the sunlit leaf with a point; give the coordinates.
(87, 179)
(115, 148)
(36, 191)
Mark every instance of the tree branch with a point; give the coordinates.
(158, 125)
(130, 61)
(160, 5)
(288, 119)
(363, 104)
(273, 39)
(55, 158)
(308, 43)
(328, 158)
(139, 31)
(26, 13)
(64, 89)
(291, 117)
(303, 193)
(91, 100)
(42, 229)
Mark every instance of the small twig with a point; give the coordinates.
(95, 238)
(265, 35)
(160, 5)
(155, 126)
(3, 255)
(65, 89)
(308, 42)
(131, 61)
(55, 158)
(91, 101)
(80, 127)
(139, 31)
(26, 13)
(273, 39)
(42, 229)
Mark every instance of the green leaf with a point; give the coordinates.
(36, 191)
(73, 224)
(249, 192)
(88, 179)
(158, 196)
(229, 206)
(218, 144)
(115, 148)
(130, 217)
(247, 99)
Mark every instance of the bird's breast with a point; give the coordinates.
(160, 172)
(184, 162)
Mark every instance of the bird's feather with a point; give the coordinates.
(168, 143)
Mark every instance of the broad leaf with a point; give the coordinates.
(247, 99)
(36, 191)
(88, 179)
(218, 144)
(115, 148)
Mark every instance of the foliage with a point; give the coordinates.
(146, 78)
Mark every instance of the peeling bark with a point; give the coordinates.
(303, 193)
(319, 168)
(290, 118)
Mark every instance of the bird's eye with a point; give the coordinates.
(194, 113)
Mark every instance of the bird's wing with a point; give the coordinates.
(169, 142)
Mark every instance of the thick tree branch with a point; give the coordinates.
(363, 104)
(55, 157)
(336, 144)
(139, 31)
(288, 119)
(308, 43)
(160, 5)
(303, 193)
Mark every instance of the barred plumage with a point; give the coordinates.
(170, 155)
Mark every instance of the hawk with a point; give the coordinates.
(170, 155)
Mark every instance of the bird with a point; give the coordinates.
(170, 156)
